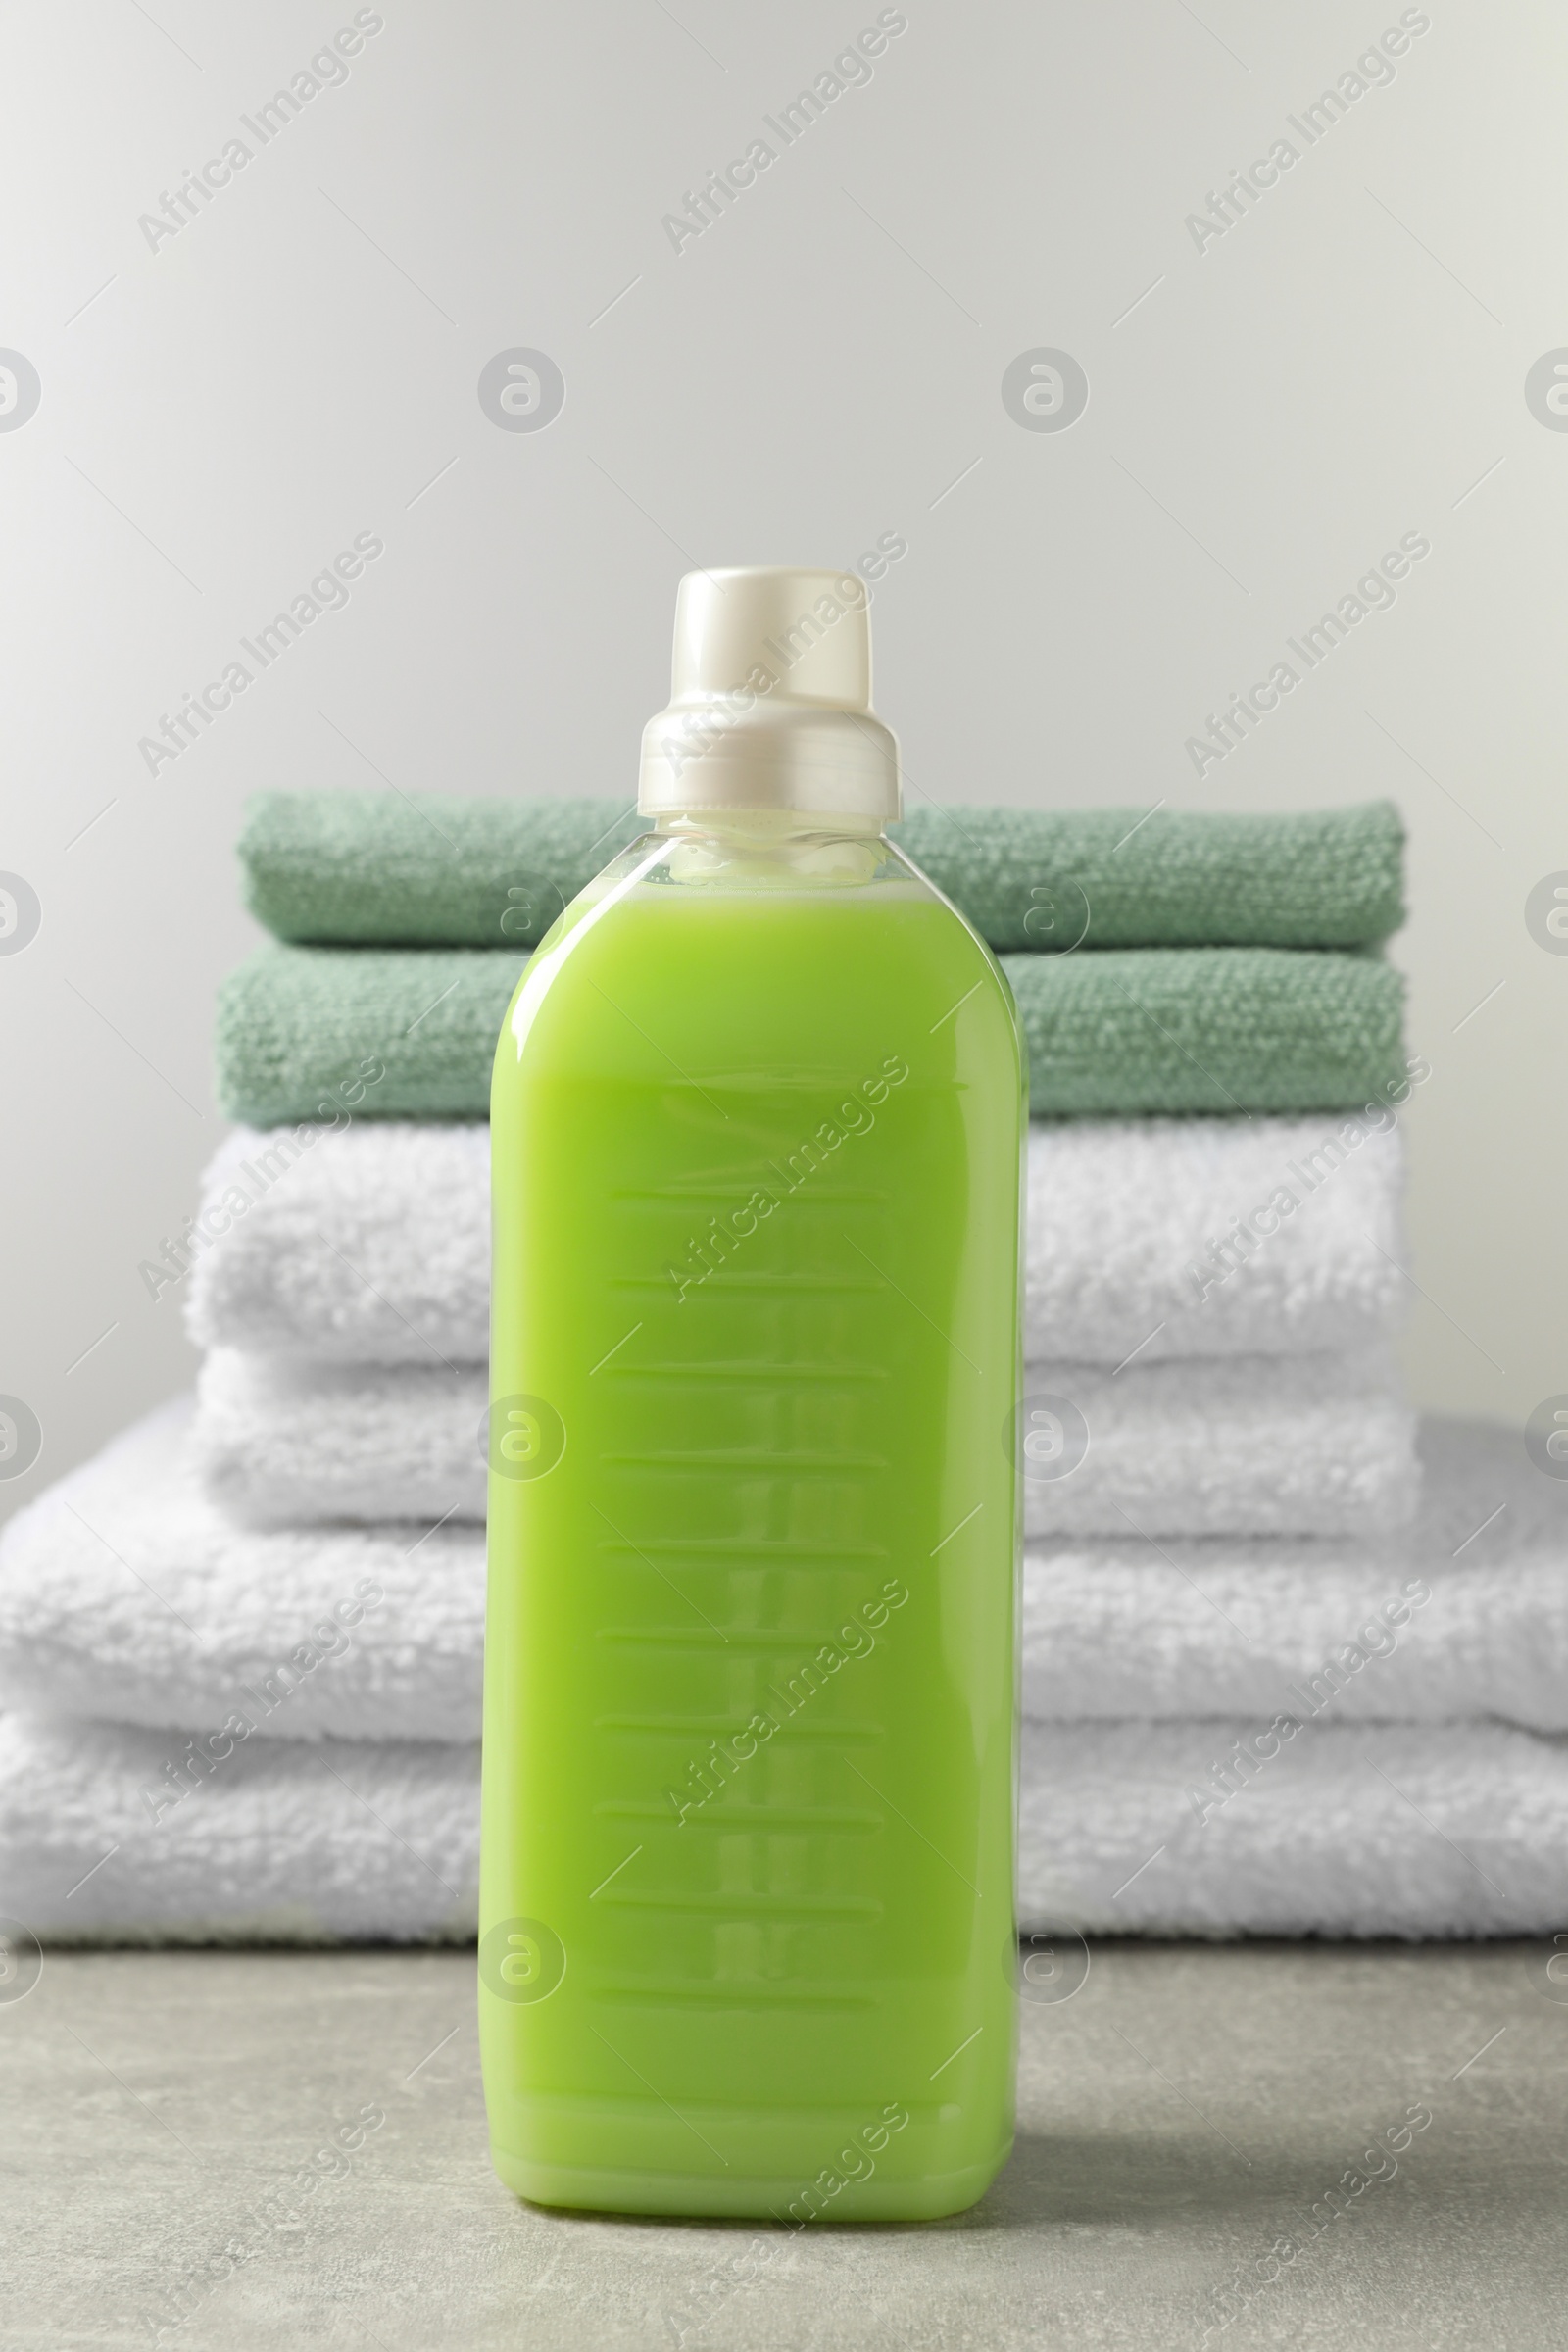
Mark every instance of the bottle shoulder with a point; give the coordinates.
(697, 868)
(777, 956)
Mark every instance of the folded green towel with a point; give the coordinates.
(1179, 878)
(1124, 1031)
(386, 1033)
(425, 869)
(307, 1033)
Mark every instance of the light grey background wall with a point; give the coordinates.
(1270, 408)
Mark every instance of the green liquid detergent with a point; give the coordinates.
(747, 1933)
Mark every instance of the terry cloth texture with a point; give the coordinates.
(103, 1838)
(1208, 1029)
(308, 1033)
(1218, 1446)
(125, 1592)
(1170, 1237)
(317, 1033)
(1312, 1445)
(1167, 877)
(280, 1443)
(371, 1243)
(432, 869)
(424, 868)
(1463, 1613)
(1214, 1237)
(1377, 1830)
(1387, 1829)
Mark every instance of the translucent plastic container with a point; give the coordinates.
(748, 1936)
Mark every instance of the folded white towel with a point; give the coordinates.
(1212, 1237)
(279, 1842)
(374, 1244)
(1463, 1613)
(282, 1443)
(1218, 1446)
(1383, 1830)
(126, 1593)
(1313, 1444)
(1457, 1829)
(371, 1245)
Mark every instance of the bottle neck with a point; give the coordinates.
(761, 827)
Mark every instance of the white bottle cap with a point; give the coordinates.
(771, 700)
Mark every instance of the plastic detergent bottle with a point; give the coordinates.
(747, 1926)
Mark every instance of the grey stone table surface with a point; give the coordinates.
(1217, 2146)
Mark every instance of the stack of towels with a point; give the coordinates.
(1290, 1665)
